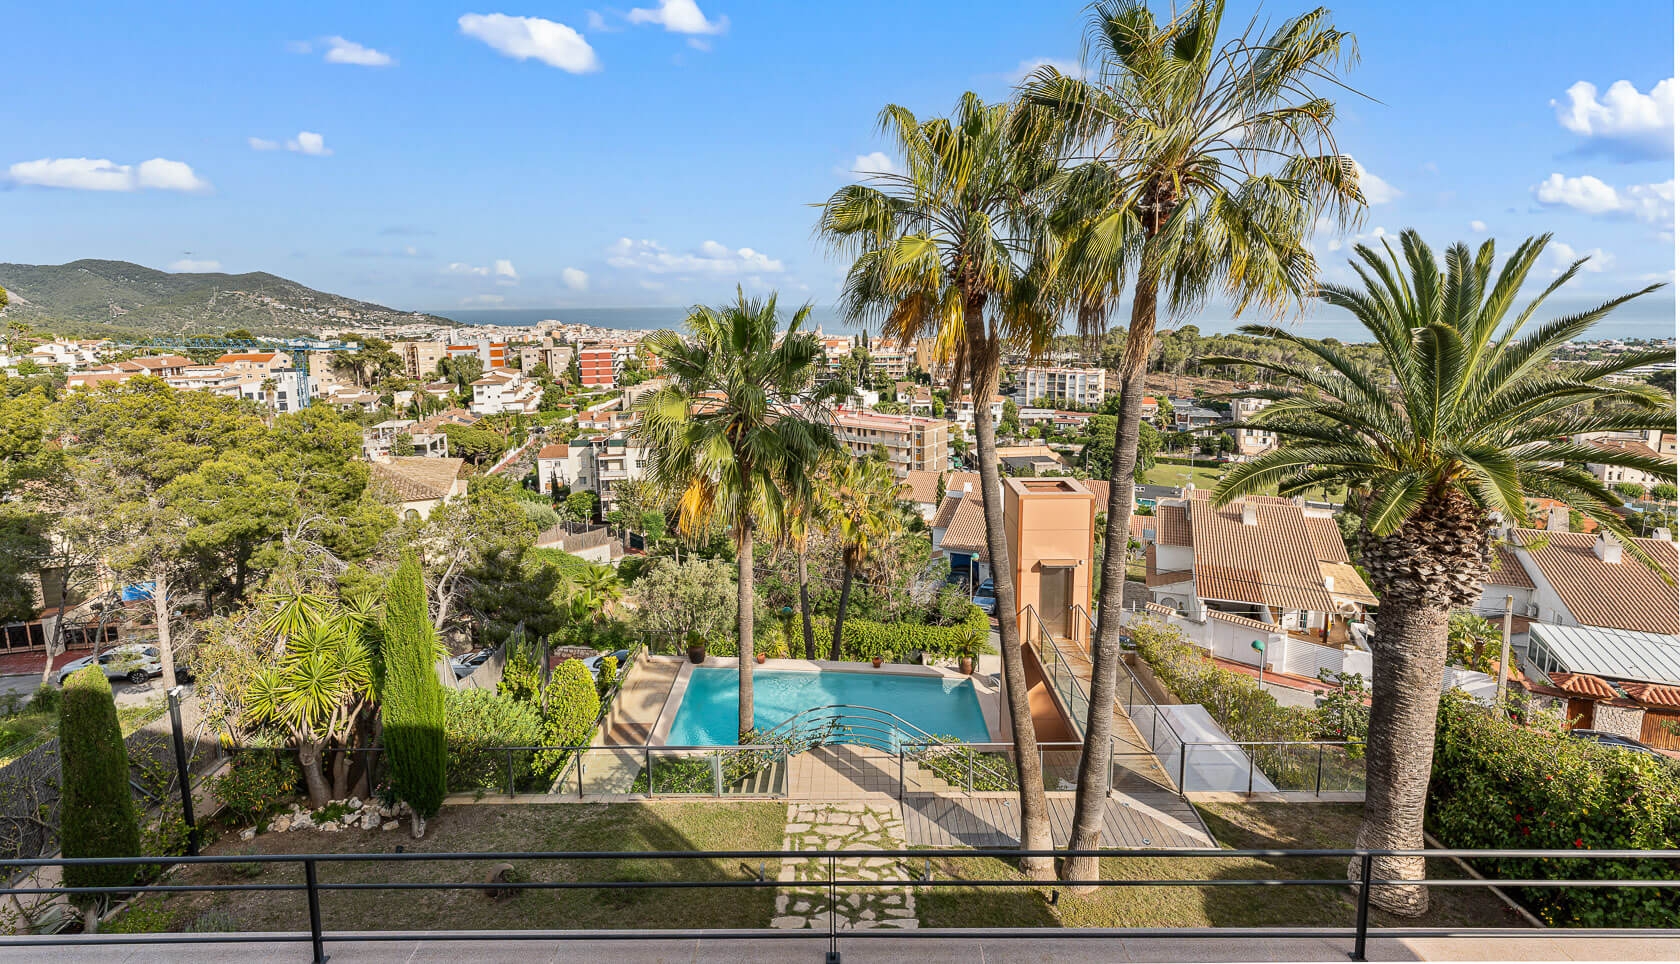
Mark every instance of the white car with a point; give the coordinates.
(133, 662)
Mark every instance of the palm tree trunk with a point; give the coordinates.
(315, 782)
(1029, 772)
(744, 599)
(160, 613)
(1096, 758)
(805, 605)
(1408, 653)
(840, 614)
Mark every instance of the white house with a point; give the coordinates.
(504, 390)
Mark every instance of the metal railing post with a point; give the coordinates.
(1318, 781)
(833, 935)
(312, 885)
(647, 764)
(1251, 753)
(970, 757)
(901, 771)
(1183, 755)
(1362, 921)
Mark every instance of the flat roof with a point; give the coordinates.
(1613, 653)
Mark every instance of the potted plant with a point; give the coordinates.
(759, 656)
(876, 660)
(968, 643)
(696, 648)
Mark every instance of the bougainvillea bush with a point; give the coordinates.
(1498, 784)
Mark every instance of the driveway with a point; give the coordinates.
(124, 692)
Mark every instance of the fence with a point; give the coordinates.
(316, 935)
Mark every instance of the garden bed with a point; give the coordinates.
(485, 828)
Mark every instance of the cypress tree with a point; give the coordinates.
(96, 816)
(412, 703)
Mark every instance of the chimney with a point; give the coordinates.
(1557, 519)
(1608, 548)
(1329, 583)
(1663, 535)
(1250, 516)
(968, 487)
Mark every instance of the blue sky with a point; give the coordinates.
(440, 156)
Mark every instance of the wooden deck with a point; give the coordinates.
(1138, 820)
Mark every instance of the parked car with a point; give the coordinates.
(466, 663)
(134, 662)
(1613, 739)
(986, 597)
(593, 663)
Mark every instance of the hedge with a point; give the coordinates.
(863, 639)
(96, 816)
(1501, 784)
(476, 721)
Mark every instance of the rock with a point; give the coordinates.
(386, 812)
(389, 825)
(370, 821)
(788, 923)
(281, 824)
(328, 827)
(249, 833)
(502, 874)
(355, 803)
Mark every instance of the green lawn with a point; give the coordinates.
(486, 828)
(1166, 473)
(1236, 826)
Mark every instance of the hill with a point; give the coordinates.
(91, 297)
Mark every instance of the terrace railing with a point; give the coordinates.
(840, 865)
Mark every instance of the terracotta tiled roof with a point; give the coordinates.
(1172, 526)
(1653, 694)
(966, 530)
(1347, 582)
(1629, 446)
(1326, 539)
(1507, 570)
(1203, 495)
(1272, 563)
(413, 478)
(947, 510)
(1140, 523)
(1584, 684)
(923, 486)
(1099, 488)
(553, 452)
(1159, 609)
(261, 357)
(1624, 595)
(1242, 620)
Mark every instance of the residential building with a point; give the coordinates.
(1614, 474)
(965, 409)
(1084, 387)
(281, 390)
(490, 354)
(69, 354)
(601, 365)
(1191, 418)
(958, 532)
(381, 438)
(615, 459)
(1613, 680)
(1582, 579)
(921, 488)
(1149, 408)
(836, 349)
(918, 398)
(912, 442)
(416, 486)
(890, 358)
(1261, 558)
(1250, 440)
(557, 358)
(255, 362)
(1050, 528)
(504, 390)
(347, 399)
(564, 466)
(420, 358)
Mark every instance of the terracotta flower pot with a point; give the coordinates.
(966, 665)
(697, 654)
(759, 657)
(877, 662)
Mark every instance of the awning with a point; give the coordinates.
(1058, 563)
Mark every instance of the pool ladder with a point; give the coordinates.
(875, 728)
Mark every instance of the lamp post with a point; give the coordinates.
(1259, 646)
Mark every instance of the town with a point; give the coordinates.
(1130, 551)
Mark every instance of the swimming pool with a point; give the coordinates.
(938, 705)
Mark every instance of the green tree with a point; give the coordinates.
(1209, 164)
(459, 535)
(1010, 424)
(403, 445)
(580, 506)
(1664, 491)
(476, 445)
(411, 704)
(96, 812)
(696, 596)
(739, 414)
(1464, 419)
(1630, 490)
(860, 507)
(1472, 642)
(950, 249)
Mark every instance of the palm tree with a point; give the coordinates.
(1203, 166)
(950, 248)
(739, 416)
(860, 505)
(801, 512)
(1463, 417)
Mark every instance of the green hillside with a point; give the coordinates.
(116, 297)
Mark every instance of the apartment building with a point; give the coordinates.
(1250, 441)
(255, 362)
(912, 442)
(505, 390)
(965, 409)
(491, 354)
(889, 357)
(420, 358)
(1653, 443)
(1085, 387)
(564, 466)
(557, 358)
(602, 364)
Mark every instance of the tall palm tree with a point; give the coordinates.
(801, 513)
(860, 505)
(1464, 416)
(1202, 166)
(951, 248)
(740, 414)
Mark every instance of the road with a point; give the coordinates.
(126, 693)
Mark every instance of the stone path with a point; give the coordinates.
(843, 826)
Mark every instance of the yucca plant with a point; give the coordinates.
(1464, 416)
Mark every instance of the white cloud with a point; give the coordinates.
(711, 258)
(700, 43)
(192, 265)
(593, 21)
(1623, 122)
(341, 51)
(1480, 227)
(1025, 68)
(91, 174)
(875, 162)
(1561, 256)
(1371, 237)
(679, 16)
(504, 269)
(309, 142)
(533, 38)
(1651, 203)
(501, 269)
(262, 144)
(483, 300)
(1376, 190)
(575, 279)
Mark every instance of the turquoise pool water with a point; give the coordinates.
(707, 714)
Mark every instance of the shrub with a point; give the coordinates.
(864, 639)
(1244, 710)
(609, 673)
(256, 782)
(45, 700)
(475, 721)
(573, 705)
(96, 817)
(412, 703)
(1498, 784)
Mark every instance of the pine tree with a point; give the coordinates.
(96, 816)
(412, 703)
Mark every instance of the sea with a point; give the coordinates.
(1650, 317)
